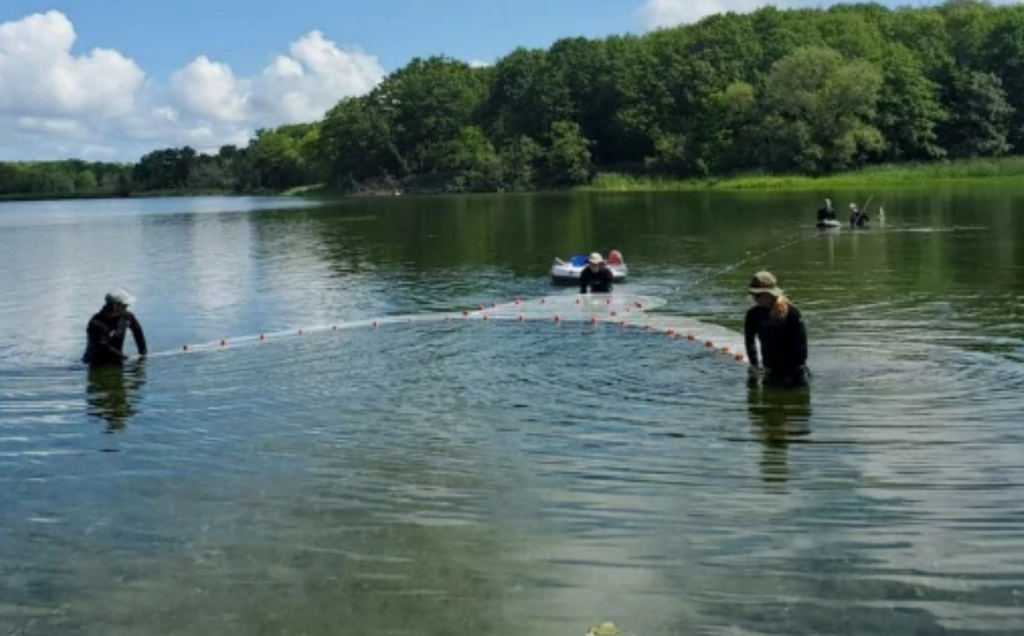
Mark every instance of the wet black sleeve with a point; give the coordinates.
(750, 337)
(139, 335)
(99, 336)
(796, 323)
(585, 277)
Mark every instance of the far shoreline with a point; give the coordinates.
(898, 176)
(910, 175)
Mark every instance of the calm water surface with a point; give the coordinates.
(501, 478)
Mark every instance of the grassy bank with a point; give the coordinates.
(892, 175)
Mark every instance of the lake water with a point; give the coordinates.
(499, 477)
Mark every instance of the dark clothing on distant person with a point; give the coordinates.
(106, 335)
(858, 219)
(783, 344)
(826, 214)
(599, 281)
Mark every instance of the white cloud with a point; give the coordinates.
(56, 103)
(655, 14)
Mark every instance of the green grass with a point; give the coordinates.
(894, 175)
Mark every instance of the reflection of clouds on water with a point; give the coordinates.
(313, 283)
(218, 269)
(63, 272)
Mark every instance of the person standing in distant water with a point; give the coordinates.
(779, 327)
(107, 329)
(596, 275)
(858, 218)
(827, 212)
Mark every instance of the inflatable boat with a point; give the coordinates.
(568, 272)
(827, 224)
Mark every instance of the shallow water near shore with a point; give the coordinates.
(451, 476)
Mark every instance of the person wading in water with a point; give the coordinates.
(107, 329)
(777, 325)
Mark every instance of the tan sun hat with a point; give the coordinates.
(595, 258)
(765, 283)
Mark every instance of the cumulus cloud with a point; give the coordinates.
(56, 103)
(655, 14)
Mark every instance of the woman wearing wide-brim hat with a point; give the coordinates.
(778, 326)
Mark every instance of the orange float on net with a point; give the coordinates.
(465, 312)
(558, 318)
(614, 313)
(593, 319)
(709, 344)
(671, 332)
(485, 317)
(738, 358)
(690, 336)
(725, 349)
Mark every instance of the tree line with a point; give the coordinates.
(802, 91)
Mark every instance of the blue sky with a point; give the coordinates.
(163, 36)
(114, 79)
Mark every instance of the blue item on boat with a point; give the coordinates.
(579, 260)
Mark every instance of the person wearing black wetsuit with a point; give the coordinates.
(596, 275)
(778, 326)
(826, 213)
(107, 329)
(858, 217)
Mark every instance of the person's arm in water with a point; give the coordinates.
(750, 338)
(99, 336)
(138, 334)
